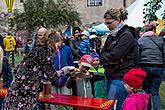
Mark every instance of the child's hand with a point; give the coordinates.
(74, 72)
(59, 73)
(68, 69)
(87, 73)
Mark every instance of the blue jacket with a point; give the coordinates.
(64, 56)
(84, 47)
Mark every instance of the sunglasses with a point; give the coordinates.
(109, 23)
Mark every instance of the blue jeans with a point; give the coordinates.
(116, 88)
(151, 85)
(7, 74)
(12, 62)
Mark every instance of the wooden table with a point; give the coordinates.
(78, 102)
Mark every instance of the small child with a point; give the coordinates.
(82, 79)
(85, 46)
(137, 99)
(98, 79)
(28, 46)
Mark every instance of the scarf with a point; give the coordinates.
(115, 31)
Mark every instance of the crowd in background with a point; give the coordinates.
(128, 67)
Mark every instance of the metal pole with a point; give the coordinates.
(124, 3)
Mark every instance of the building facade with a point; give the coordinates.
(91, 11)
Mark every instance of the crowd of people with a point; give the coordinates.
(128, 68)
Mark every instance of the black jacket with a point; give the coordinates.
(118, 53)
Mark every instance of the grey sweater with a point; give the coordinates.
(84, 88)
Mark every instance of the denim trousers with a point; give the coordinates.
(115, 89)
(8, 54)
(7, 74)
(151, 85)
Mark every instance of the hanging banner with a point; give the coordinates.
(9, 5)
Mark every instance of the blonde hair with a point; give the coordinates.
(115, 13)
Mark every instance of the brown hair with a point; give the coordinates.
(53, 37)
(114, 13)
(58, 30)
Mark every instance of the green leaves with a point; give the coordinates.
(150, 9)
(46, 13)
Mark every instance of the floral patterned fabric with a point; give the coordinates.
(1, 58)
(23, 93)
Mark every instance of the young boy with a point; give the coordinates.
(98, 79)
(85, 46)
(82, 77)
(137, 99)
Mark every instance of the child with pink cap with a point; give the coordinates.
(81, 78)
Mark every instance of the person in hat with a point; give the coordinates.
(82, 83)
(84, 47)
(137, 99)
(98, 79)
(95, 41)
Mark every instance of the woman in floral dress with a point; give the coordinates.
(1, 59)
(23, 93)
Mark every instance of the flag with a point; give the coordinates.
(160, 26)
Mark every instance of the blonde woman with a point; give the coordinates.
(117, 55)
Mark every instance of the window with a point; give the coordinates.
(21, 1)
(94, 2)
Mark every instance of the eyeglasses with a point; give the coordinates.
(109, 23)
(40, 35)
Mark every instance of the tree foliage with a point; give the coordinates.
(48, 13)
(150, 10)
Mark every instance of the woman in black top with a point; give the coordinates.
(117, 55)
